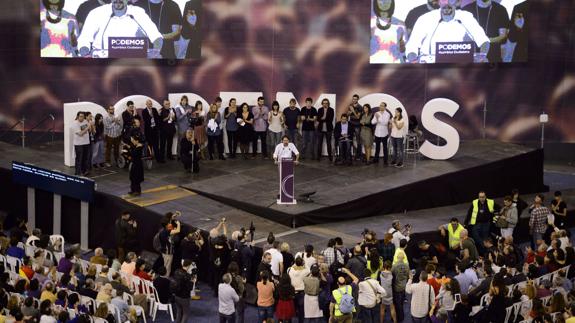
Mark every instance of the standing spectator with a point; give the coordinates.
(297, 274)
(167, 130)
(183, 283)
(190, 152)
(381, 121)
(277, 260)
(287, 256)
(357, 262)
(238, 283)
(400, 271)
(231, 115)
(81, 140)
(291, 116)
(214, 132)
(398, 232)
(276, 122)
(366, 134)
(496, 310)
(219, 254)
(265, 301)
(91, 132)
(311, 306)
(401, 252)
(386, 248)
(136, 166)
(519, 203)
(246, 130)
(325, 118)
(113, 135)
(354, 116)
(128, 117)
(125, 232)
(308, 117)
(468, 249)
(168, 235)
(197, 122)
(227, 296)
(559, 209)
(152, 128)
(261, 117)
(98, 144)
(538, 220)
(422, 298)
(183, 113)
(508, 217)
(162, 286)
(386, 282)
(479, 217)
(397, 124)
(370, 295)
(342, 307)
(286, 294)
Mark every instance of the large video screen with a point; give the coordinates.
(448, 31)
(156, 29)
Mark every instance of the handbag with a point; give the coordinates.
(377, 295)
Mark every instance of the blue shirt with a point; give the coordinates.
(16, 252)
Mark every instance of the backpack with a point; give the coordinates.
(156, 243)
(346, 303)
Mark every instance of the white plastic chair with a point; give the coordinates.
(57, 242)
(139, 310)
(115, 311)
(89, 302)
(508, 312)
(30, 250)
(545, 300)
(14, 263)
(161, 307)
(485, 299)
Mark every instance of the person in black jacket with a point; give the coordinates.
(325, 116)
(162, 286)
(125, 232)
(190, 152)
(167, 130)
(192, 27)
(343, 134)
(182, 287)
(137, 166)
(152, 128)
(128, 121)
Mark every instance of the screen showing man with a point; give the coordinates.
(439, 31)
(121, 28)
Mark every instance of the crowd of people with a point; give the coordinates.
(101, 140)
(478, 274)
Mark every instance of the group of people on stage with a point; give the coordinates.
(86, 33)
(484, 22)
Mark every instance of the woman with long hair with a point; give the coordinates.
(366, 133)
(197, 120)
(246, 130)
(397, 124)
(232, 126)
(98, 143)
(285, 309)
(265, 287)
(276, 122)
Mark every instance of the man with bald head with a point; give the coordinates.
(98, 257)
(152, 124)
(336, 314)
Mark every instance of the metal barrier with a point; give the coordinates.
(23, 129)
(23, 135)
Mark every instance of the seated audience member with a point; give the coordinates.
(98, 257)
(162, 286)
(105, 294)
(48, 293)
(26, 270)
(89, 289)
(343, 134)
(65, 264)
(15, 251)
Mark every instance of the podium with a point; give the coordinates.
(286, 181)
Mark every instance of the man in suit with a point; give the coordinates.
(325, 118)
(152, 124)
(343, 134)
(167, 130)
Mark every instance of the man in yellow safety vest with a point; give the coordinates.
(479, 218)
(453, 232)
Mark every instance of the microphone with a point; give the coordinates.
(142, 28)
(105, 28)
(466, 30)
(433, 33)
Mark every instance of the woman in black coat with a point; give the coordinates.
(136, 167)
(190, 152)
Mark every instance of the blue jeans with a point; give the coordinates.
(265, 313)
(536, 236)
(291, 134)
(227, 318)
(420, 320)
(309, 141)
(397, 144)
(398, 300)
(480, 232)
(369, 315)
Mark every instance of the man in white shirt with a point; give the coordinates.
(370, 294)
(398, 233)
(381, 121)
(446, 24)
(117, 19)
(286, 150)
(81, 140)
(277, 263)
(422, 297)
(227, 297)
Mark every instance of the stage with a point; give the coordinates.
(348, 198)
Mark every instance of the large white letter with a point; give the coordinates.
(439, 128)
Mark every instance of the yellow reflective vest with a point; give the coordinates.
(454, 236)
(490, 206)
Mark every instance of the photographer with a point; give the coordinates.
(219, 253)
(399, 233)
(168, 238)
(191, 246)
(245, 252)
(182, 287)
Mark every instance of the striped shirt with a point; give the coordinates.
(112, 126)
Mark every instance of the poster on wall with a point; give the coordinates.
(448, 31)
(154, 29)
